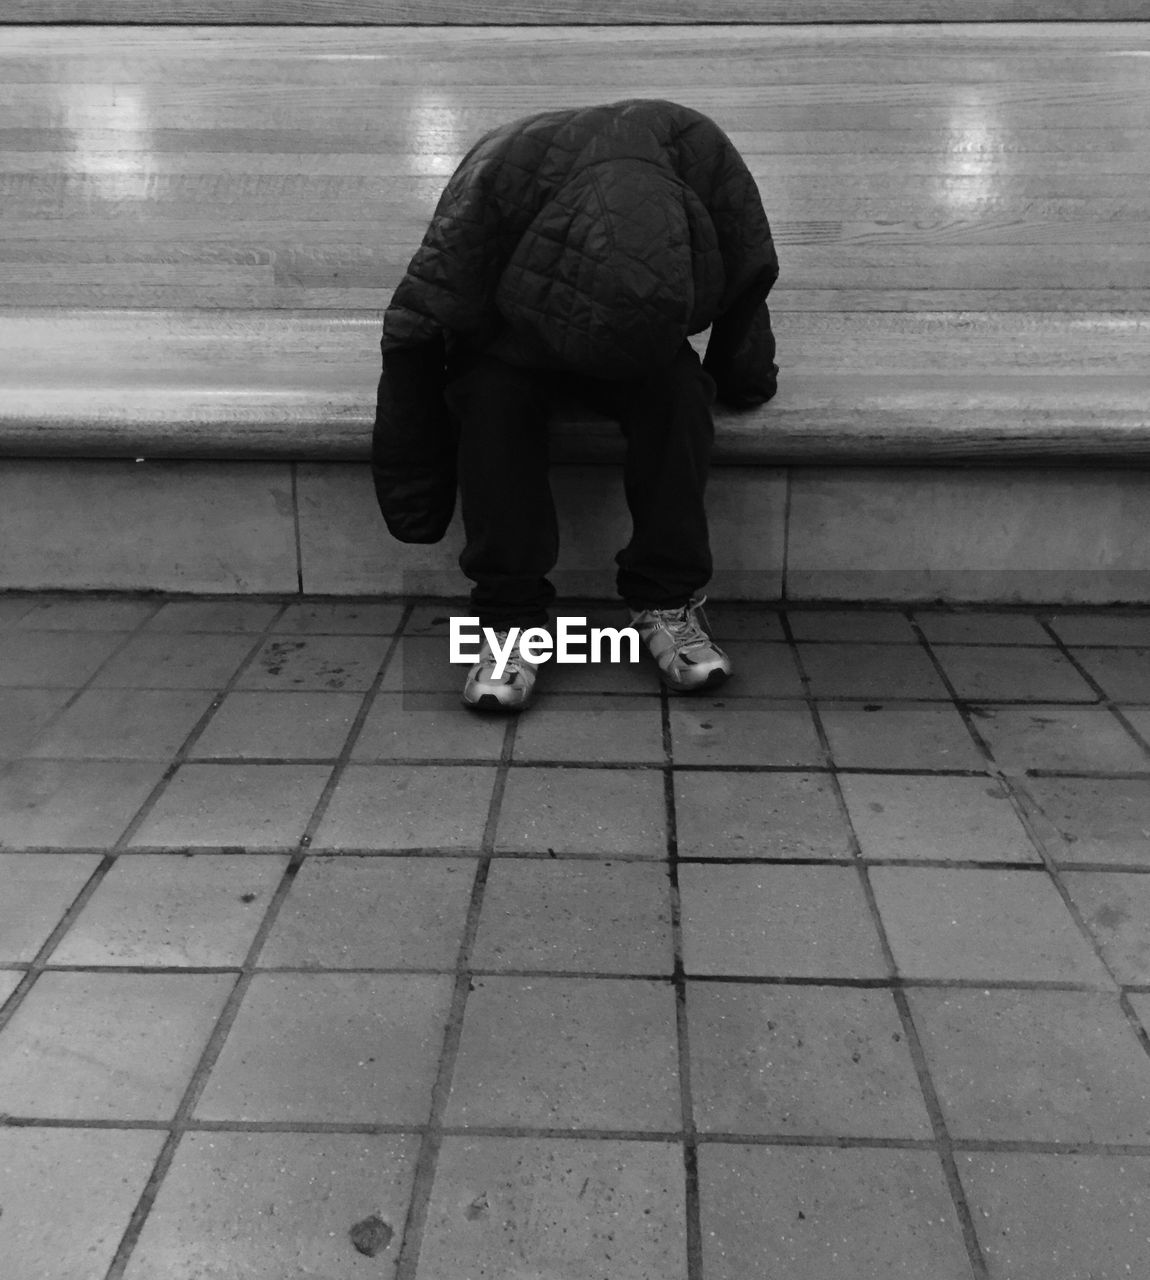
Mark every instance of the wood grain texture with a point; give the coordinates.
(864, 387)
(964, 166)
(568, 12)
(200, 228)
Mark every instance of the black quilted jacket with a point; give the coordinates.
(592, 240)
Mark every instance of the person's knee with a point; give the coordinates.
(683, 383)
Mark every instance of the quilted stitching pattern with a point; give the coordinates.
(594, 239)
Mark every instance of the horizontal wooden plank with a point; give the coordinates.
(446, 145)
(889, 166)
(385, 12)
(933, 387)
(999, 166)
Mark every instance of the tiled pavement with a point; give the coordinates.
(845, 973)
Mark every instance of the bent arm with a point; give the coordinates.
(414, 444)
(741, 350)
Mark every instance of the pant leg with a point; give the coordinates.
(510, 529)
(667, 422)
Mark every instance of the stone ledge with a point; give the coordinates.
(876, 387)
(988, 534)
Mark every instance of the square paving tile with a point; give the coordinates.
(1093, 819)
(1116, 910)
(988, 673)
(807, 1060)
(584, 811)
(898, 735)
(15, 607)
(372, 913)
(23, 715)
(170, 911)
(762, 670)
(68, 1195)
(851, 626)
(1102, 628)
(214, 615)
(731, 621)
(174, 660)
(265, 1206)
(777, 921)
(535, 1207)
(951, 818)
(759, 815)
(107, 1046)
(260, 805)
(53, 659)
(73, 803)
(600, 917)
(870, 671)
(817, 1213)
(968, 923)
(35, 891)
(87, 613)
(408, 807)
(336, 1047)
(428, 726)
(981, 628)
(568, 1053)
(9, 981)
(600, 677)
(1037, 1066)
(1124, 674)
(1058, 739)
(1040, 1215)
(628, 730)
(743, 731)
(421, 664)
(281, 726)
(334, 662)
(342, 617)
(128, 724)
(434, 617)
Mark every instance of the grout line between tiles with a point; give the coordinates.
(427, 1161)
(943, 1143)
(1016, 793)
(99, 873)
(230, 1011)
(693, 1196)
(127, 637)
(689, 1138)
(181, 755)
(1012, 1146)
(1104, 698)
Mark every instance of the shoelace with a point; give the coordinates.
(515, 659)
(684, 626)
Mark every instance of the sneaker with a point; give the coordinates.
(689, 660)
(513, 691)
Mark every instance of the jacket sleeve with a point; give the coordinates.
(413, 447)
(741, 351)
(447, 289)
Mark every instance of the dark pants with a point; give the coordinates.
(511, 534)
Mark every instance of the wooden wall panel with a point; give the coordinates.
(564, 12)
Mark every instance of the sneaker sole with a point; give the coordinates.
(489, 704)
(716, 678)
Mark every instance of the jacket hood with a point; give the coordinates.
(619, 265)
